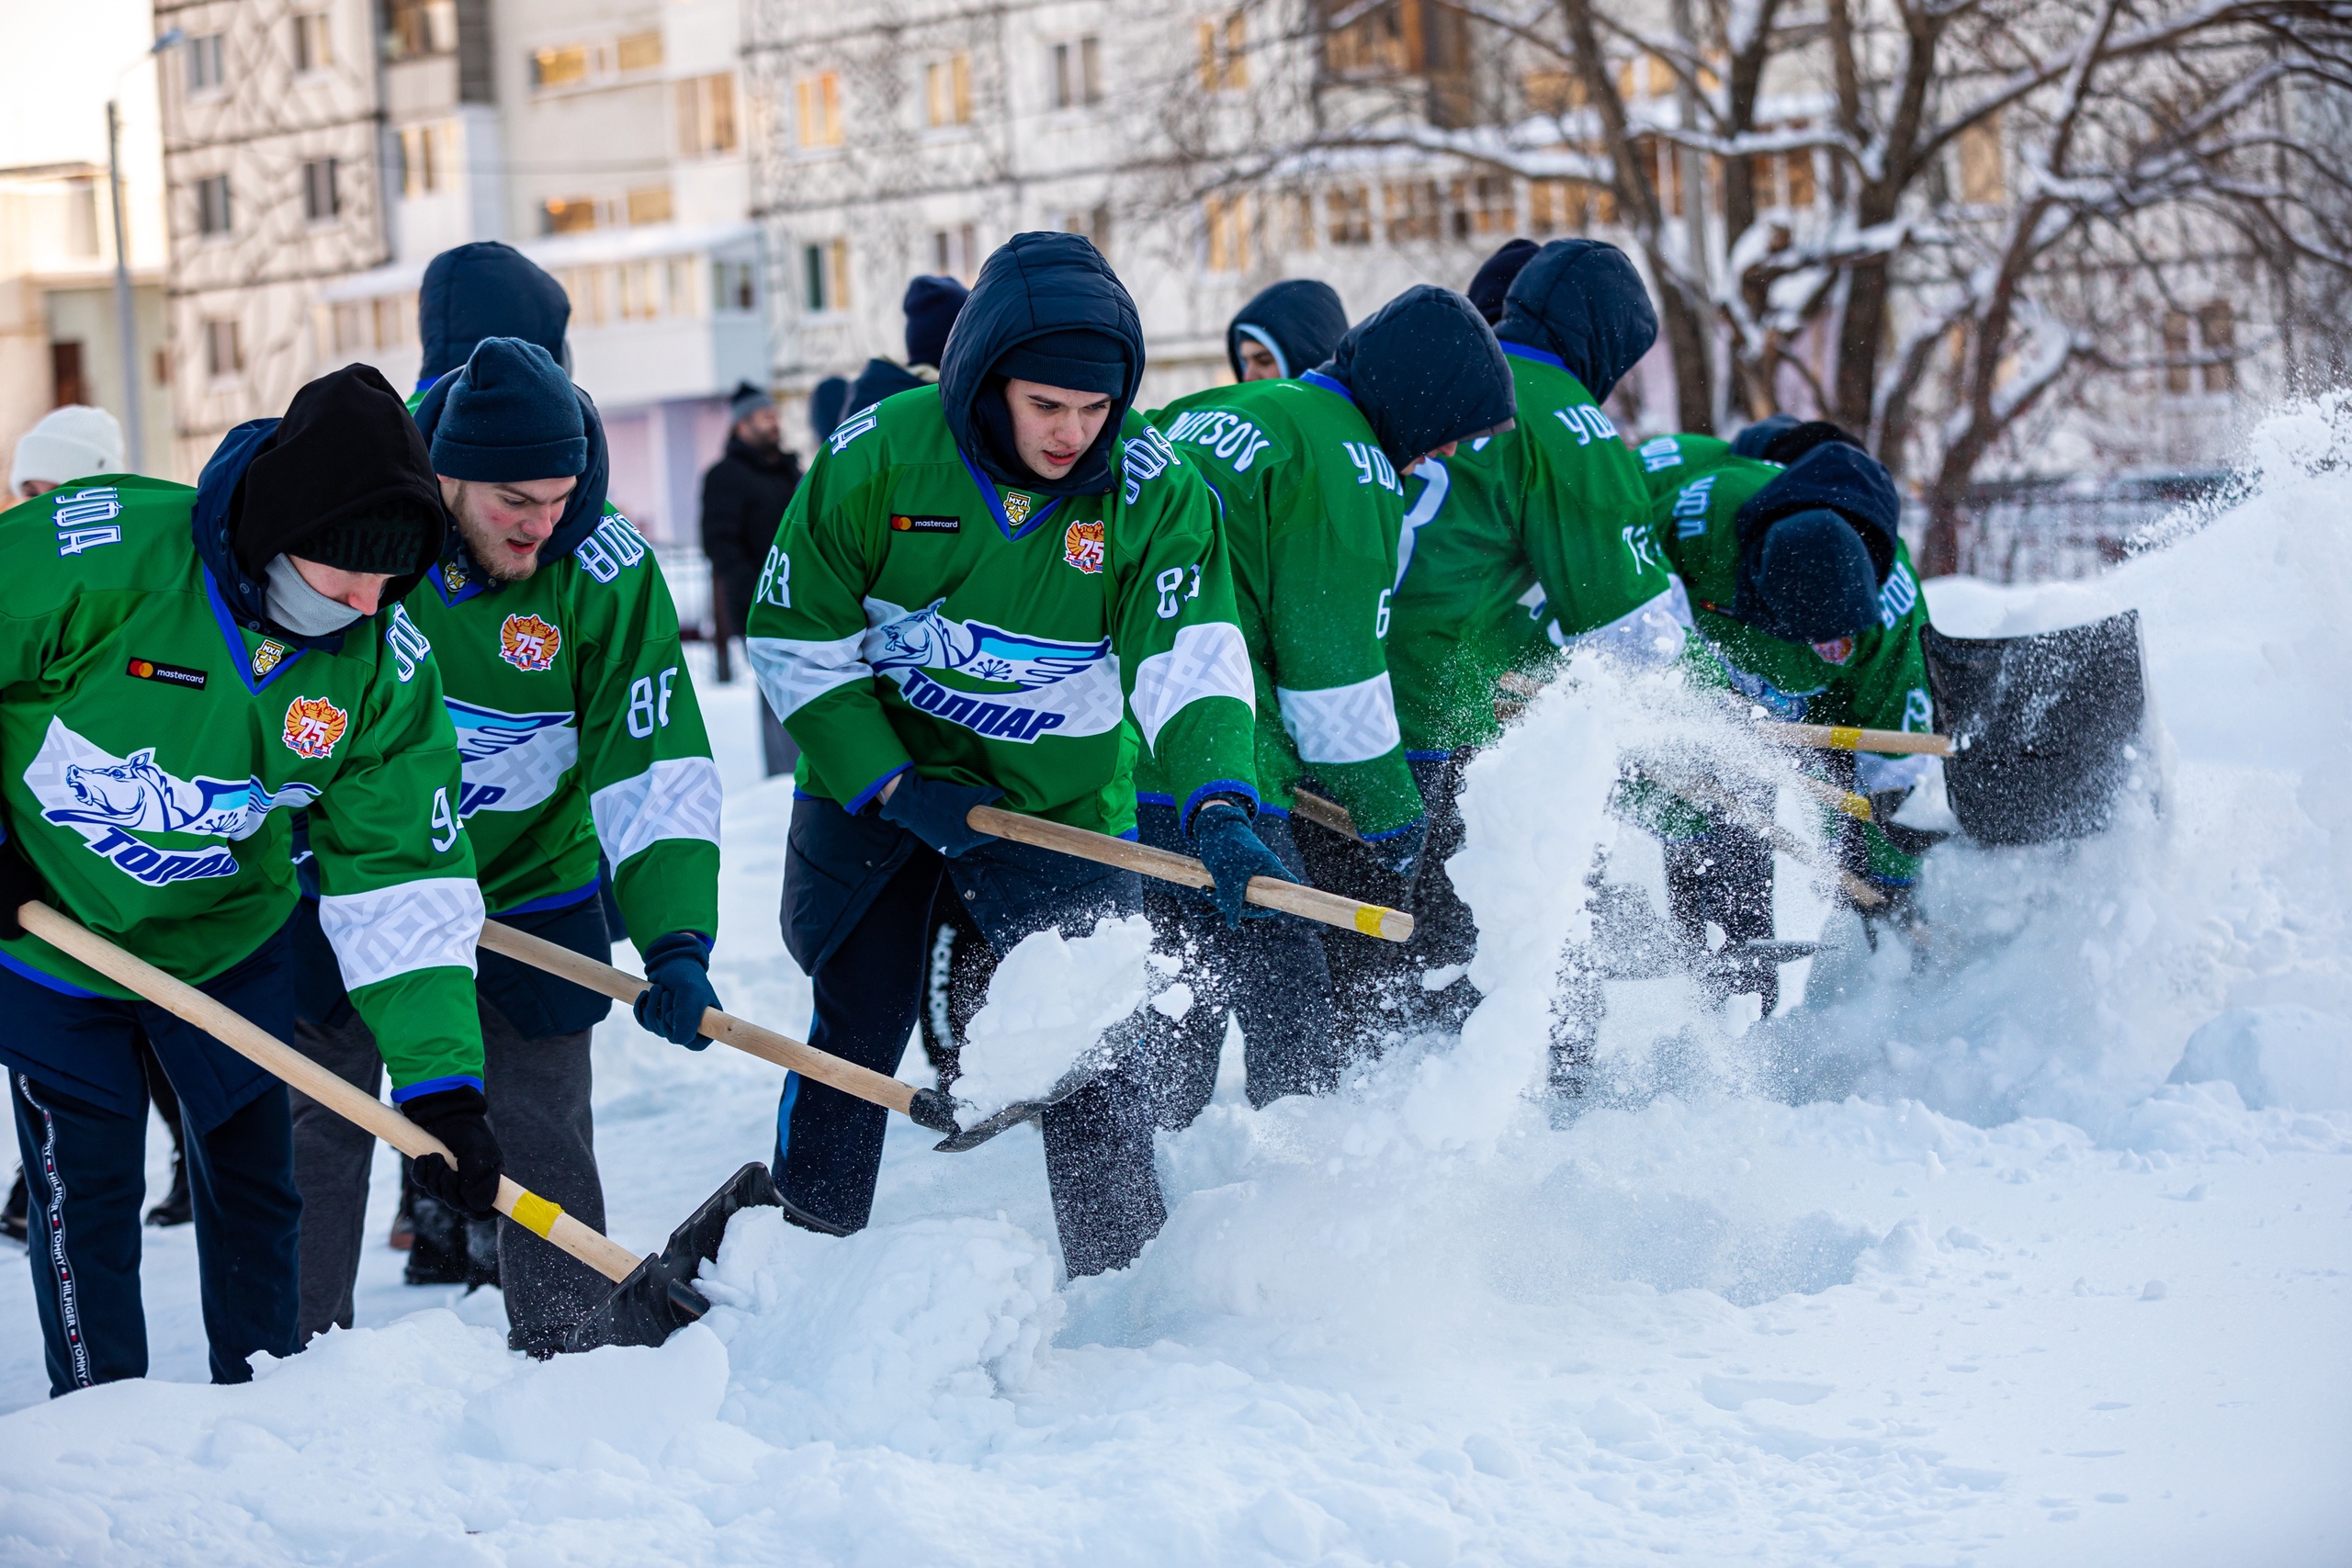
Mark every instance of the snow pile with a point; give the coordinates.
(1938, 1267)
(1049, 1003)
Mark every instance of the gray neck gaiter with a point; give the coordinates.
(300, 608)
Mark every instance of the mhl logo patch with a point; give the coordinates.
(907, 522)
(529, 643)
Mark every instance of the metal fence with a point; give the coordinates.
(2057, 530)
(689, 576)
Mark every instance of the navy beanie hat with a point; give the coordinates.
(1815, 578)
(512, 414)
(1757, 439)
(826, 401)
(1079, 359)
(1494, 280)
(931, 305)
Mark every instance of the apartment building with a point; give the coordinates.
(605, 141)
(274, 186)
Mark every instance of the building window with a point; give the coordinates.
(1350, 215)
(819, 100)
(389, 316)
(639, 51)
(562, 67)
(343, 322)
(224, 349)
(1228, 232)
(568, 214)
(1094, 222)
(321, 200)
(947, 90)
(1078, 73)
(413, 29)
(204, 62)
(1566, 206)
(314, 42)
(1370, 42)
(1225, 62)
(1297, 209)
(428, 155)
(732, 286)
(650, 204)
(707, 114)
(1983, 182)
(824, 275)
(212, 205)
(67, 381)
(82, 217)
(1412, 210)
(2208, 334)
(1484, 205)
(956, 252)
(1552, 90)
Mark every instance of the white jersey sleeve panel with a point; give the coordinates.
(678, 797)
(1342, 724)
(431, 923)
(1207, 661)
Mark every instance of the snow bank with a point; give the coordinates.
(1049, 1003)
(2021, 1250)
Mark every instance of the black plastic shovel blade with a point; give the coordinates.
(659, 1298)
(2042, 724)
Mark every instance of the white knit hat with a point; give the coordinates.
(72, 442)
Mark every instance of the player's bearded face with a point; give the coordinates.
(504, 524)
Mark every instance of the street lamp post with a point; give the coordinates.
(126, 315)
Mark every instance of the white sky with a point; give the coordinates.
(59, 61)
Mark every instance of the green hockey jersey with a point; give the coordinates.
(1875, 681)
(913, 614)
(152, 752)
(1516, 546)
(1669, 462)
(1312, 512)
(577, 722)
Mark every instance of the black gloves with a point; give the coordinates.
(1399, 853)
(677, 970)
(934, 811)
(1233, 854)
(18, 882)
(460, 1118)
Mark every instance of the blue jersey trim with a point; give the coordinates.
(234, 636)
(435, 1086)
(552, 901)
(48, 982)
(870, 791)
(1142, 798)
(1329, 384)
(1520, 351)
(996, 503)
(1215, 786)
(1427, 756)
(1392, 833)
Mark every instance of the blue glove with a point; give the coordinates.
(934, 811)
(1233, 854)
(677, 969)
(1399, 851)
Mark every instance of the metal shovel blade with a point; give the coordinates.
(1021, 1110)
(659, 1298)
(2043, 722)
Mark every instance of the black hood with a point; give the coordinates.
(1304, 316)
(581, 513)
(1833, 478)
(881, 378)
(1582, 302)
(1035, 285)
(1424, 369)
(486, 290)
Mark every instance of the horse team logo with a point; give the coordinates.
(1071, 686)
(108, 799)
(1082, 547)
(313, 725)
(529, 643)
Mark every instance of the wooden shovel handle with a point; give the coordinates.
(1843, 738)
(1313, 903)
(766, 1045)
(273, 1056)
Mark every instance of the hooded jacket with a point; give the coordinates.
(1424, 369)
(486, 290)
(1581, 301)
(1302, 315)
(881, 378)
(1034, 286)
(1835, 476)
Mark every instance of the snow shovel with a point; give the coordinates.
(653, 1297)
(926, 1107)
(1313, 903)
(2045, 726)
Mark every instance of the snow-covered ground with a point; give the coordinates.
(1936, 1265)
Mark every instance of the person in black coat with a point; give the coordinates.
(743, 497)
